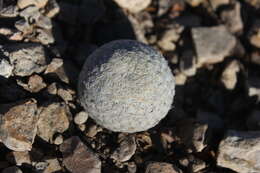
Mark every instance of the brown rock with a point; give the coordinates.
(19, 157)
(35, 84)
(18, 125)
(78, 158)
(125, 150)
(53, 118)
(157, 167)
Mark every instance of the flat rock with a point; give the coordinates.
(157, 167)
(53, 118)
(18, 125)
(133, 6)
(239, 151)
(126, 149)
(78, 158)
(229, 75)
(212, 44)
(26, 58)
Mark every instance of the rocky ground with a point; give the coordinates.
(213, 49)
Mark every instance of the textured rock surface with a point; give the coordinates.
(18, 125)
(212, 44)
(27, 58)
(126, 86)
(125, 150)
(240, 151)
(162, 167)
(133, 6)
(5, 68)
(54, 118)
(78, 158)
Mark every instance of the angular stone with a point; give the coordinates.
(240, 151)
(53, 118)
(23, 26)
(5, 68)
(212, 44)
(157, 167)
(27, 58)
(34, 85)
(45, 36)
(18, 125)
(78, 158)
(229, 75)
(169, 37)
(125, 150)
(133, 6)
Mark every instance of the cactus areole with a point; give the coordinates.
(126, 86)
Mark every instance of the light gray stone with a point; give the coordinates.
(5, 68)
(81, 117)
(240, 151)
(212, 44)
(126, 86)
(229, 75)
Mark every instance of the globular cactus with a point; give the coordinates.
(126, 86)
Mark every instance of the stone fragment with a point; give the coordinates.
(18, 125)
(66, 94)
(78, 158)
(193, 135)
(11, 34)
(126, 149)
(169, 37)
(81, 117)
(34, 85)
(93, 130)
(232, 18)
(27, 58)
(44, 22)
(188, 63)
(254, 34)
(58, 140)
(55, 64)
(9, 11)
(53, 118)
(180, 78)
(20, 157)
(163, 167)
(45, 36)
(52, 8)
(239, 151)
(212, 44)
(229, 75)
(25, 3)
(6, 69)
(253, 121)
(254, 87)
(133, 6)
(12, 169)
